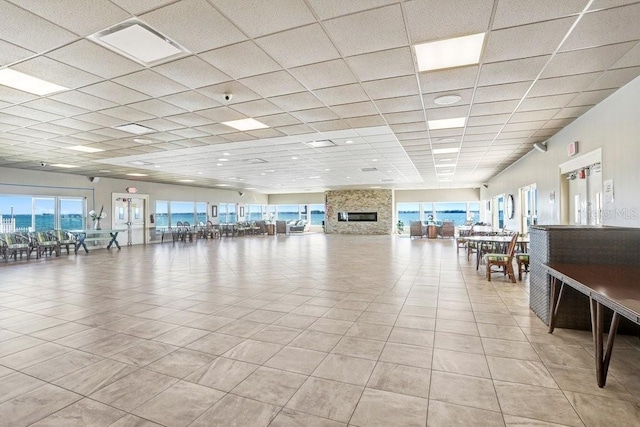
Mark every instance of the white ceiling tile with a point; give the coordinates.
(517, 70)
(239, 92)
(160, 125)
(190, 101)
(241, 60)
(368, 31)
(445, 80)
(189, 133)
(221, 114)
(54, 128)
(297, 101)
(501, 107)
(448, 112)
(94, 59)
(510, 13)
(524, 126)
(126, 113)
(101, 119)
(436, 20)
(329, 125)
(357, 109)
(546, 102)
(586, 60)
(136, 7)
(564, 84)
(273, 84)
(495, 119)
(51, 106)
(383, 64)
(260, 107)
(630, 59)
(366, 121)
(404, 117)
(331, 8)
(157, 108)
(399, 104)
(195, 24)
(542, 38)
(150, 83)
(192, 72)
(56, 72)
(30, 113)
(606, 27)
(615, 78)
(113, 92)
(464, 94)
(572, 112)
(342, 94)
(29, 31)
(391, 88)
(291, 48)
(589, 98)
(10, 53)
(502, 92)
(532, 116)
(314, 115)
(87, 17)
(79, 125)
(276, 120)
(324, 74)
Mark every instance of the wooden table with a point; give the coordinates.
(606, 285)
(505, 240)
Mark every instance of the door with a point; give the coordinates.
(129, 214)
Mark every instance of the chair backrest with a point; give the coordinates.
(512, 245)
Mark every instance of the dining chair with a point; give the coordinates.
(461, 240)
(504, 261)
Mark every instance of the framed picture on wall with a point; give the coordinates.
(214, 211)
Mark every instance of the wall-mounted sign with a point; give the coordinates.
(132, 190)
(572, 149)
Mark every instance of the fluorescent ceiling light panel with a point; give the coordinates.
(84, 149)
(187, 180)
(449, 53)
(62, 165)
(137, 174)
(139, 42)
(27, 83)
(446, 165)
(446, 150)
(245, 124)
(457, 122)
(321, 143)
(135, 129)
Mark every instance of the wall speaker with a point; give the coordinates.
(94, 178)
(540, 147)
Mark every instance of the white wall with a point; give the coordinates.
(444, 195)
(614, 126)
(296, 199)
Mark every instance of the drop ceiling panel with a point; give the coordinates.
(273, 84)
(192, 72)
(190, 101)
(502, 92)
(586, 60)
(195, 24)
(332, 8)
(342, 94)
(502, 107)
(290, 48)
(368, 31)
(114, 92)
(95, 59)
(56, 72)
(150, 83)
(518, 70)
(324, 74)
(55, 107)
(434, 20)
(445, 80)
(241, 60)
(10, 53)
(546, 102)
(564, 84)
(518, 12)
(383, 64)
(591, 97)
(391, 88)
(157, 108)
(606, 27)
(29, 31)
(615, 78)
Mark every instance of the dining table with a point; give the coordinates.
(501, 242)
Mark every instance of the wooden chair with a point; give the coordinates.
(64, 238)
(44, 243)
(461, 241)
(523, 264)
(503, 261)
(14, 244)
(415, 229)
(447, 229)
(281, 227)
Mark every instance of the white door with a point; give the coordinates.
(129, 214)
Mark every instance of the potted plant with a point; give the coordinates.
(400, 226)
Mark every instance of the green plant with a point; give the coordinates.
(400, 226)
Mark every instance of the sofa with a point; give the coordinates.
(299, 226)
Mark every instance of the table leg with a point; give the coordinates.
(81, 244)
(114, 236)
(603, 357)
(556, 295)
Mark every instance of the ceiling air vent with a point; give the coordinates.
(368, 169)
(256, 161)
(321, 143)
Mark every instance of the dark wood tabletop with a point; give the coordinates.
(615, 286)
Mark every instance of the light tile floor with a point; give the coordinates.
(307, 330)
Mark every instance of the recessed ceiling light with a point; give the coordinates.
(250, 188)
(449, 53)
(269, 170)
(348, 142)
(63, 165)
(374, 160)
(140, 163)
(199, 173)
(142, 140)
(263, 174)
(294, 158)
(186, 180)
(134, 128)
(223, 160)
(245, 124)
(445, 174)
(327, 170)
(137, 174)
(446, 150)
(27, 83)
(156, 166)
(457, 122)
(446, 165)
(445, 160)
(84, 149)
(226, 154)
(139, 42)
(314, 177)
(447, 100)
(218, 164)
(223, 185)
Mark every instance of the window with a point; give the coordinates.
(201, 213)
(408, 212)
(44, 210)
(20, 207)
(162, 214)
(287, 212)
(427, 211)
(72, 214)
(452, 211)
(528, 200)
(317, 214)
(181, 212)
(474, 212)
(169, 213)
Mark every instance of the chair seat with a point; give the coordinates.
(496, 257)
(522, 257)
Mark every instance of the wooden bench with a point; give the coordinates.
(613, 286)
